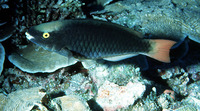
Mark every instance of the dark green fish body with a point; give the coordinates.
(92, 39)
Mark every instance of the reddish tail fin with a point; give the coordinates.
(161, 50)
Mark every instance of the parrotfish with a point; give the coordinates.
(95, 39)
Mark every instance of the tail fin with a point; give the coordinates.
(161, 50)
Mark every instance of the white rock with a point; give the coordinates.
(23, 100)
(73, 103)
(112, 96)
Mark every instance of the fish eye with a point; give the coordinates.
(46, 35)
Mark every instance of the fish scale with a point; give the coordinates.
(95, 39)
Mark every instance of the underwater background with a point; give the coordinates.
(36, 79)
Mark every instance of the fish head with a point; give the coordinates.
(47, 35)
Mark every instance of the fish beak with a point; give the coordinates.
(28, 36)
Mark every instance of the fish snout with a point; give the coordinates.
(28, 36)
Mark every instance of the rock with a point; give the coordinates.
(164, 101)
(2, 101)
(73, 103)
(23, 100)
(112, 96)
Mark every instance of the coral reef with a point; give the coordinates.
(7, 27)
(34, 59)
(181, 81)
(2, 57)
(169, 21)
(42, 80)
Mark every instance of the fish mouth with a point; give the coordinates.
(28, 36)
(32, 39)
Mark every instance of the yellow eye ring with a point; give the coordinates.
(46, 35)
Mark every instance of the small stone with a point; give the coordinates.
(163, 101)
(73, 103)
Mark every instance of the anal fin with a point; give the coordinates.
(120, 57)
